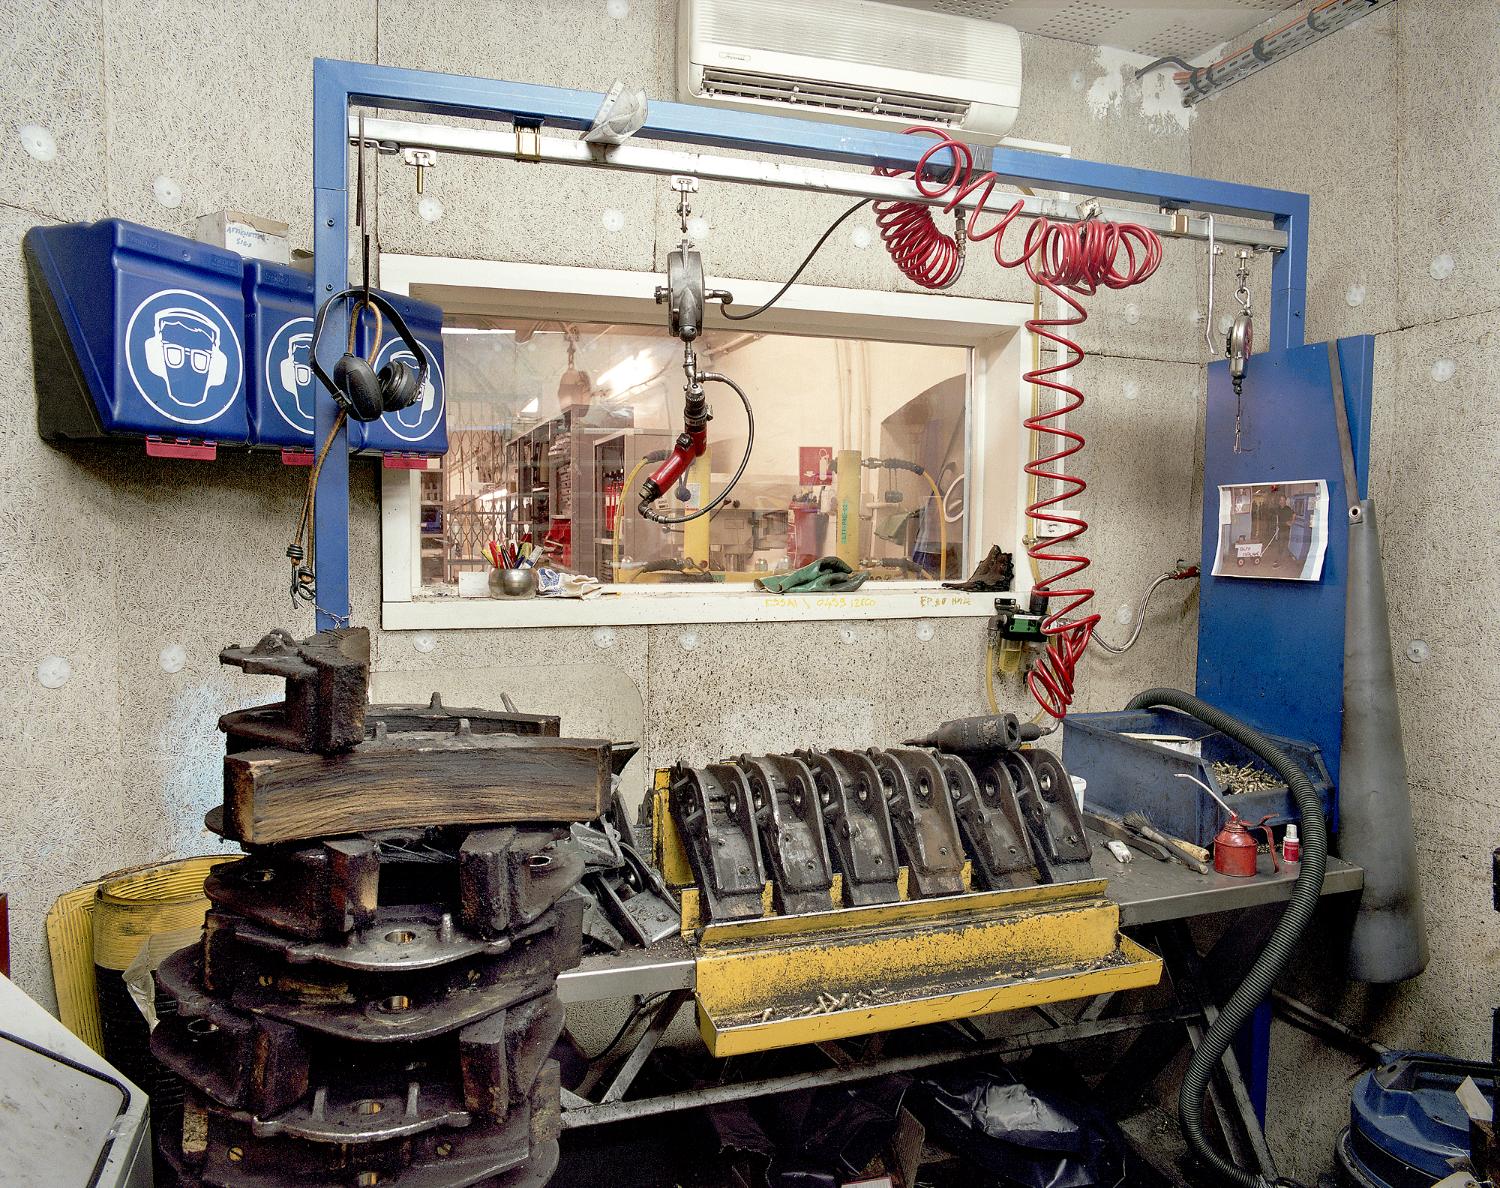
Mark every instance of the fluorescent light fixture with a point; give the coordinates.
(628, 373)
(476, 330)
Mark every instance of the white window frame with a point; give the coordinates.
(996, 447)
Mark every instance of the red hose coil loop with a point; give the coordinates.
(1069, 260)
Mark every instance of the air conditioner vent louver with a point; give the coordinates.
(741, 84)
(877, 65)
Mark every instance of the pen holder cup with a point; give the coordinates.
(512, 583)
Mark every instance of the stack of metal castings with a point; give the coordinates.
(377, 1005)
(971, 792)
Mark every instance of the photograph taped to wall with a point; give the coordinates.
(1273, 530)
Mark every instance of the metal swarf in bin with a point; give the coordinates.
(1130, 773)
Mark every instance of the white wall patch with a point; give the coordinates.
(38, 143)
(1116, 90)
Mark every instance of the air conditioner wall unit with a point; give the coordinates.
(851, 62)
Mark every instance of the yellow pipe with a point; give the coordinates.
(847, 490)
(989, 677)
(625, 496)
(942, 518)
(695, 533)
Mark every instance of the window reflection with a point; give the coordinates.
(553, 426)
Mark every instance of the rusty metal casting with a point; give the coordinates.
(378, 1008)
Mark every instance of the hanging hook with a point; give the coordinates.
(1214, 251)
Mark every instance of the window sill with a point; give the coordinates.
(638, 608)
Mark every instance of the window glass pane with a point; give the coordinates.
(553, 428)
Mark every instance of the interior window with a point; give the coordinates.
(553, 426)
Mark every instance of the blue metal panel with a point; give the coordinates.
(1272, 651)
(331, 509)
(153, 327)
(422, 428)
(1288, 326)
(713, 127)
(1252, 1048)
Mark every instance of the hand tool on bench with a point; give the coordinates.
(1113, 827)
(1187, 854)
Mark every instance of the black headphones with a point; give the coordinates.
(356, 387)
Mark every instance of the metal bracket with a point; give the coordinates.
(528, 142)
(327, 687)
(926, 832)
(1060, 844)
(714, 813)
(989, 817)
(789, 813)
(859, 822)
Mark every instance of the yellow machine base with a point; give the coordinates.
(785, 980)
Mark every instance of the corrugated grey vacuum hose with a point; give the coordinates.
(1375, 825)
(1274, 957)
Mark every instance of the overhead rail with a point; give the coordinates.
(527, 144)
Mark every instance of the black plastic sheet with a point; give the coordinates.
(1018, 1135)
(815, 1139)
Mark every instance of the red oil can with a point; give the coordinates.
(1236, 845)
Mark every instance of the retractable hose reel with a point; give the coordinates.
(1239, 342)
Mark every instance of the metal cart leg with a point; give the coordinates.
(645, 1045)
(1238, 1118)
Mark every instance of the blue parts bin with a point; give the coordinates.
(278, 338)
(1406, 1126)
(1127, 774)
(137, 333)
(421, 430)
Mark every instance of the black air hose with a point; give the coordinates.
(1278, 951)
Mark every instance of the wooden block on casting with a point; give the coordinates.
(413, 780)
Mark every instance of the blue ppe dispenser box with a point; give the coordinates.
(137, 333)
(280, 385)
(413, 436)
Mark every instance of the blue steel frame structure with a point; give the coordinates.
(338, 85)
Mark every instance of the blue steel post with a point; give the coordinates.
(1288, 327)
(330, 274)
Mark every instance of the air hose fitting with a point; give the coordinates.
(1277, 953)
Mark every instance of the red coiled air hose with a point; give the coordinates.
(1068, 259)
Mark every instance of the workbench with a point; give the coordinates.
(1148, 892)
(1157, 900)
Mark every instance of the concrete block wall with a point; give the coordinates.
(110, 557)
(1391, 127)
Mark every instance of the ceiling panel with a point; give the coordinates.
(1156, 27)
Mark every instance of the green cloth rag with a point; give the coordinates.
(827, 574)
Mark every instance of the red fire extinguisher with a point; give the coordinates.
(1236, 846)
